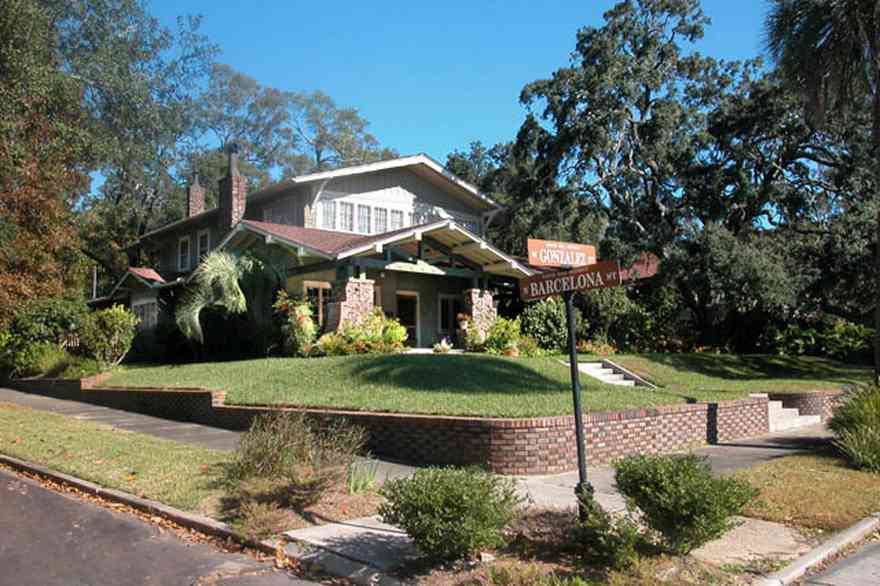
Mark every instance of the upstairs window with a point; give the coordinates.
(412, 219)
(396, 219)
(381, 220)
(346, 219)
(364, 219)
(328, 215)
(183, 254)
(204, 243)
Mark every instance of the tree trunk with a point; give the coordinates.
(877, 306)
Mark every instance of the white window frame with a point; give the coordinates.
(201, 253)
(400, 214)
(142, 307)
(361, 228)
(326, 205)
(376, 213)
(180, 265)
(342, 207)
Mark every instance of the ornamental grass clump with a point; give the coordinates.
(856, 423)
(451, 514)
(680, 499)
(288, 459)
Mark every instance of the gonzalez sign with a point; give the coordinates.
(594, 276)
(550, 253)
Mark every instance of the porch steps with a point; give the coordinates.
(784, 418)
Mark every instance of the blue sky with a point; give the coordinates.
(430, 77)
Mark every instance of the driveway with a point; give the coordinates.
(50, 538)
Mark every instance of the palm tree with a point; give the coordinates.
(237, 283)
(831, 49)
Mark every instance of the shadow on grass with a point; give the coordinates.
(760, 367)
(473, 375)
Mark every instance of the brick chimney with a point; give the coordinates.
(195, 197)
(233, 191)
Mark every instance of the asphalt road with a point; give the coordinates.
(49, 538)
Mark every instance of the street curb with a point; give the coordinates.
(189, 520)
(817, 555)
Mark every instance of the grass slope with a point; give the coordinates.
(177, 474)
(818, 491)
(482, 385)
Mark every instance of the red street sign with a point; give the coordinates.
(551, 253)
(594, 276)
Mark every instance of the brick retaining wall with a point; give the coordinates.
(537, 445)
(820, 403)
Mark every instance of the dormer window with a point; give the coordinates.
(346, 219)
(364, 219)
(381, 220)
(396, 219)
(328, 215)
(183, 247)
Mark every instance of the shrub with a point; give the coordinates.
(38, 358)
(545, 322)
(529, 348)
(840, 339)
(474, 338)
(291, 449)
(856, 423)
(680, 499)
(49, 320)
(107, 334)
(599, 348)
(378, 334)
(451, 513)
(606, 540)
(300, 330)
(261, 520)
(503, 337)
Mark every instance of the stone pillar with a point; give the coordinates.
(478, 303)
(195, 197)
(233, 192)
(354, 304)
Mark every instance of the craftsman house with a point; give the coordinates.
(404, 235)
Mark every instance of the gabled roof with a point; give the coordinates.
(422, 164)
(443, 234)
(146, 274)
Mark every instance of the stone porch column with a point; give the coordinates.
(354, 304)
(481, 307)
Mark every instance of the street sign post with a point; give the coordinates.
(567, 283)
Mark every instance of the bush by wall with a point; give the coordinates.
(48, 320)
(503, 337)
(604, 539)
(545, 322)
(856, 423)
(107, 334)
(451, 513)
(680, 499)
(378, 334)
(837, 338)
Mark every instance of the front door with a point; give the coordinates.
(408, 314)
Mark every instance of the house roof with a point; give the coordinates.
(146, 274)
(443, 236)
(421, 164)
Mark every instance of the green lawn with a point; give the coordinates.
(177, 474)
(483, 385)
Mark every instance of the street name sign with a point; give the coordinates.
(594, 276)
(552, 253)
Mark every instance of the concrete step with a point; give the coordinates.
(604, 374)
(794, 423)
(609, 376)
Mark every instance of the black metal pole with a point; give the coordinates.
(576, 394)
